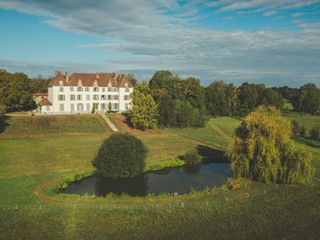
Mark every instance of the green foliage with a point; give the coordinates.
(221, 99)
(120, 155)
(39, 84)
(132, 79)
(307, 99)
(192, 157)
(180, 102)
(315, 133)
(144, 111)
(262, 150)
(16, 92)
(295, 128)
(252, 95)
(2, 111)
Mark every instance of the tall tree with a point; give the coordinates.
(15, 92)
(307, 99)
(144, 111)
(262, 150)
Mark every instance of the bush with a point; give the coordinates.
(2, 111)
(192, 157)
(295, 127)
(120, 155)
(314, 133)
(262, 150)
(302, 132)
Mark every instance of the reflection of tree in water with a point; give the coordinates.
(134, 186)
(192, 170)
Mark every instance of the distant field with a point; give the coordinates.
(55, 124)
(306, 120)
(217, 132)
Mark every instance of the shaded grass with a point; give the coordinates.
(306, 120)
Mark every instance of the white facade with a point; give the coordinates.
(71, 99)
(87, 93)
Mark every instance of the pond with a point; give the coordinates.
(168, 180)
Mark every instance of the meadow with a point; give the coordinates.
(34, 158)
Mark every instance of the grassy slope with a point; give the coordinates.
(255, 211)
(55, 124)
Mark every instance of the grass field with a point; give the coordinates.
(33, 159)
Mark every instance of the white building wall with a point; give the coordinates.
(81, 106)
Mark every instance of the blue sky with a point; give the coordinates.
(265, 41)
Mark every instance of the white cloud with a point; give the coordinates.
(154, 39)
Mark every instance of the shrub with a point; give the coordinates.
(302, 132)
(2, 111)
(295, 127)
(314, 133)
(192, 157)
(120, 155)
(262, 150)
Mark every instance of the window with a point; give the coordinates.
(71, 89)
(80, 107)
(103, 107)
(103, 89)
(109, 97)
(96, 89)
(95, 97)
(103, 97)
(60, 89)
(116, 97)
(115, 89)
(88, 97)
(61, 97)
(61, 107)
(116, 106)
(79, 97)
(88, 107)
(47, 108)
(109, 89)
(126, 97)
(87, 89)
(72, 107)
(127, 89)
(72, 97)
(80, 89)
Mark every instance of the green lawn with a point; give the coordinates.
(35, 161)
(306, 120)
(217, 132)
(55, 124)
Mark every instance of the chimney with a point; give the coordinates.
(67, 77)
(97, 75)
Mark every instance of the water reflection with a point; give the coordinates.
(169, 180)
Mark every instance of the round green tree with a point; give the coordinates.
(262, 150)
(120, 155)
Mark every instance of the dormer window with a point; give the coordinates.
(61, 83)
(96, 89)
(95, 83)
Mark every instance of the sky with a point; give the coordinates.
(275, 42)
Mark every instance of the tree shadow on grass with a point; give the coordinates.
(209, 154)
(4, 123)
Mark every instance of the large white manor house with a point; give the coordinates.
(86, 93)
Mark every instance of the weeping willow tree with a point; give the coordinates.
(262, 150)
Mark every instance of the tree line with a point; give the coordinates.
(172, 101)
(16, 90)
